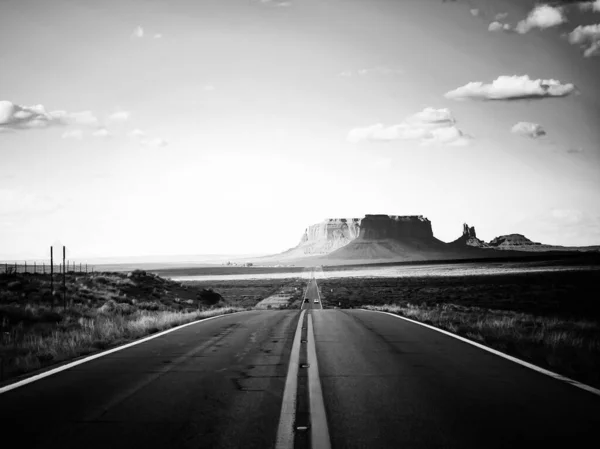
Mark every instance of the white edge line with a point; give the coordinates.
(101, 354)
(319, 432)
(501, 354)
(285, 430)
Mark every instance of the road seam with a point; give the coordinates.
(285, 430)
(50, 372)
(501, 354)
(319, 432)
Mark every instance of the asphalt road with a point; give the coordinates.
(311, 294)
(389, 383)
(386, 383)
(217, 384)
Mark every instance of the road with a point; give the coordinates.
(386, 383)
(311, 294)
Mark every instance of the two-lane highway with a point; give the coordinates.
(390, 383)
(384, 383)
(216, 384)
(312, 296)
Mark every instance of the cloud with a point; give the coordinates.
(501, 15)
(120, 116)
(497, 26)
(26, 117)
(74, 134)
(511, 88)
(588, 38)
(430, 126)
(153, 142)
(103, 132)
(590, 6)
(528, 129)
(138, 32)
(137, 133)
(543, 16)
(209, 88)
(379, 70)
(275, 3)
(157, 36)
(83, 118)
(146, 141)
(574, 150)
(474, 12)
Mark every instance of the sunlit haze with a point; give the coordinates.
(132, 128)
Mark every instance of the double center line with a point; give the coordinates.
(303, 422)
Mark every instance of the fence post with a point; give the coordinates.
(52, 274)
(64, 280)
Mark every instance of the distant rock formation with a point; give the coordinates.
(395, 237)
(329, 235)
(469, 238)
(397, 227)
(513, 241)
(469, 232)
(382, 238)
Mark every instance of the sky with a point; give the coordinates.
(145, 127)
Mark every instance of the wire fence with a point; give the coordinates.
(45, 268)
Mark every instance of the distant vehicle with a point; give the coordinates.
(305, 299)
(316, 300)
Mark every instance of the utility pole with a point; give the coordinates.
(64, 280)
(52, 273)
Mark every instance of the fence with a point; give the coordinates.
(44, 268)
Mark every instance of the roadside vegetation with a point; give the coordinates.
(249, 292)
(549, 319)
(103, 310)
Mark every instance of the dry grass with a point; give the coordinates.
(568, 346)
(24, 351)
(249, 292)
(104, 310)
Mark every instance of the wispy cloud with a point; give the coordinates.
(73, 134)
(15, 116)
(588, 38)
(103, 132)
(120, 116)
(542, 17)
(430, 126)
(275, 3)
(511, 88)
(497, 26)
(379, 70)
(137, 133)
(153, 142)
(528, 129)
(590, 6)
(143, 139)
(474, 12)
(138, 32)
